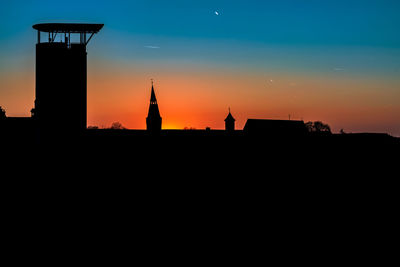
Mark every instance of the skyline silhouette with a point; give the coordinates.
(309, 61)
(266, 120)
(60, 106)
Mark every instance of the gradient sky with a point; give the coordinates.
(334, 61)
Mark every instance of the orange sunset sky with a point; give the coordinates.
(199, 97)
(333, 61)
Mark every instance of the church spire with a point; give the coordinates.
(153, 98)
(153, 120)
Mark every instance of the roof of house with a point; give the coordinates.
(262, 125)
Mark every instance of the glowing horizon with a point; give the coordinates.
(336, 62)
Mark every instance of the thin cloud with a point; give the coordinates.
(338, 69)
(151, 47)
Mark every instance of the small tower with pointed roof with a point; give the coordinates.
(153, 120)
(230, 122)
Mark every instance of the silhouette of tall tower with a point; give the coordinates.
(230, 122)
(61, 76)
(153, 120)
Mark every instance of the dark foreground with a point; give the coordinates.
(196, 199)
(192, 152)
(205, 158)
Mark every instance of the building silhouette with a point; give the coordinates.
(230, 122)
(61, 77)
(60, 108)
(267, 128)
(153, 120)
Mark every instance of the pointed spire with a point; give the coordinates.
(153, 120)
(153, 98)
(229, 117)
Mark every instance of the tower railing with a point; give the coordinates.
(85, 31)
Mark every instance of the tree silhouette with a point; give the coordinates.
(2, 113)
(310, 126)
(117, 126)
(321, 127)
(33, 112)
(318, 127)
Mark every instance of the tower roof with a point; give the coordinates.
(68, 27)
(230, 117)
(153, 95)
(153, 108)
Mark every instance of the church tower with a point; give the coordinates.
(230, 122)
(153, 120)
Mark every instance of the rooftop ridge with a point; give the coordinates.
(68, 27)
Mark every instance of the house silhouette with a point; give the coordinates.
(274, 127)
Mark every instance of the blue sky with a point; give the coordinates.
(351, 22)
(307, 25)
(353, 39)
